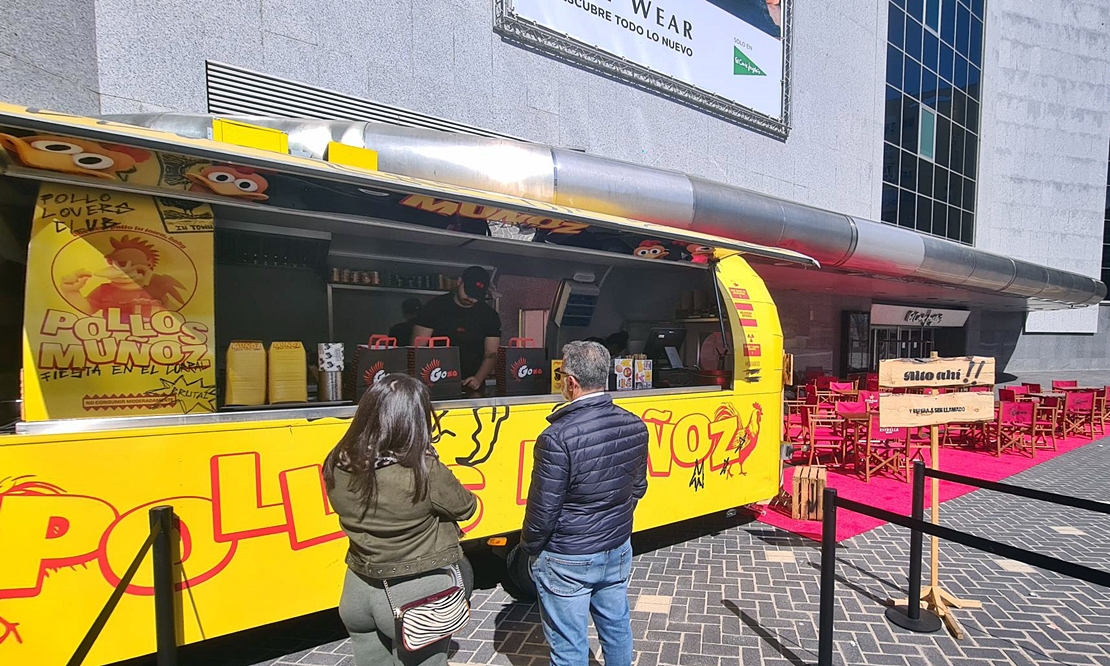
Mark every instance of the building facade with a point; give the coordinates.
(986, 122)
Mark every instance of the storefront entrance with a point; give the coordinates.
(889, 342)
(870, 337)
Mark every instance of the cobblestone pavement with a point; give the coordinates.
(724, 592)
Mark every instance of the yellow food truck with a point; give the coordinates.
(162, 271)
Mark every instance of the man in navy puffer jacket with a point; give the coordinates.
(590, 471)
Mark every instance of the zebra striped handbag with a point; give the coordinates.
(433, 618)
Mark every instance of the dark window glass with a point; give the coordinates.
(930, 51)
(893, 67)
(915, 8)
(959, 74)
(970, 149)
(890, 204)
(907, 208)
(911, 81)
(940, 184)
(972, 116)
(896, 26)
(1105, 257)
(892, 124)
(890, 163)
(948, 21)
(956, 156)
(914, 35)
(924, 215)
(977, 7)
(975, 52)
(973, 82)
(944, 101)
(910, 111)
(959, 106)
(963, 29)
(946, 55)
(967, 230)
(908, 173)
(940, 219)
(929, 88)
(924, 176)
(932, 14)
(929, 70)
(956, 190)
(944, 139)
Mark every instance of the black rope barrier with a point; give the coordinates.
(161, 528)
(832, 502)
(1042, 495)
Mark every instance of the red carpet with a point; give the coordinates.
(894, 495)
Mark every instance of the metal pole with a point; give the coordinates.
(165, 629)
(828, 579)
(914, 608)
(911, 617)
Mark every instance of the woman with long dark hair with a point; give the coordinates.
(400, 507)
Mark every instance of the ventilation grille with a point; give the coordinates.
(240, 92)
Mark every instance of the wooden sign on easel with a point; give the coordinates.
(934, 410)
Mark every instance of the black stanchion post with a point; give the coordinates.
(910, 616)
(828, 579)
(161, 523)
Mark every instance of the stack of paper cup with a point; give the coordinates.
(330, 364)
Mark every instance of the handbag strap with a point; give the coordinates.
(397, 611)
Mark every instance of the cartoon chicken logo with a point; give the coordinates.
(72, 155)
(650, 249)
(132, 285)
(699, 254)
(230, 181)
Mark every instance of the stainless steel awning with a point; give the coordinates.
(30, 157)
(851, 248)
(604, 192)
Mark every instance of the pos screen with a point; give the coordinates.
(659, 339)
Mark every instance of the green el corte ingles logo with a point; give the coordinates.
(742, 65)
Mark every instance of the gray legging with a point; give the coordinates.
(366, 613)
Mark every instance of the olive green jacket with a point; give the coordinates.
(395, 537)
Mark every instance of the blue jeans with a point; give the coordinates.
(572, 588)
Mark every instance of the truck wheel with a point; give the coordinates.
(518, 579)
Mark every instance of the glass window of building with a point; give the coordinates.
(931, 132)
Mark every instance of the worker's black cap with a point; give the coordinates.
(476, 282)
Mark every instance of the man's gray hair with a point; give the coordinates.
(589, 363)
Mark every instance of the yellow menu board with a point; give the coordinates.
(119, 316)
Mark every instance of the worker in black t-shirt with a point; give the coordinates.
(403, 330)
(472, 325)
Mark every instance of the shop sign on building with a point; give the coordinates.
(729, 58)
(898, 315)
